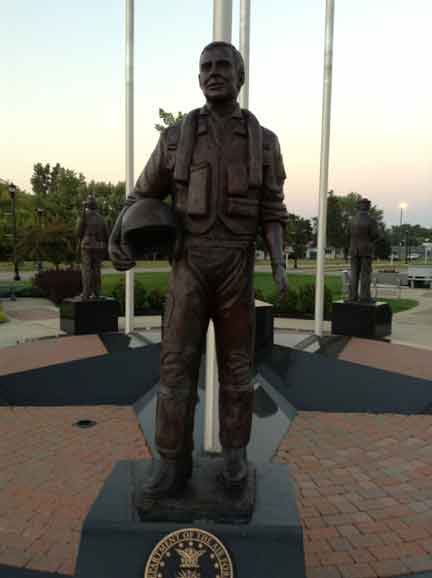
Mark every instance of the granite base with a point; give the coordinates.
(357, 319)
(79, 317)
(115, 543)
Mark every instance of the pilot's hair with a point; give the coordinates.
(238, 58)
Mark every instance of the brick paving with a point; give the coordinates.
(51, 472)
(364, 489)
(45, 352)
(364, 486)
(403, 359)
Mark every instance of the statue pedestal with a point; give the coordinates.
(264, 328)
(79, 317)
(115, 542)
(356, 319)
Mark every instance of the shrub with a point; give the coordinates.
(140, 295)
(306, 300)
(259, 295)
(287, 304)
(156, 299)
(59, 284)
(299, 301)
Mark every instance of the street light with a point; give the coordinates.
(12, 191)
(40, 213)
(402, 207)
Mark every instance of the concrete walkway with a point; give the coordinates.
(414, 327)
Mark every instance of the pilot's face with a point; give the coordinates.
(218, 77)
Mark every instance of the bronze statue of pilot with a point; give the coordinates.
(92, 233)
(225, 175)
(364, 234)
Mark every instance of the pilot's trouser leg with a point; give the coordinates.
(86, 273)
(355, 273)
(96, 272)
(365, 278)
(235, 330)
(184, 330)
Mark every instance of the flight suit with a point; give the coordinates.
(226, 179)
(364, 234)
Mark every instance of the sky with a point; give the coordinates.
(63, 84)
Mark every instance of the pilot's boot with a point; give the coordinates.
(235, 469)
(169, 479)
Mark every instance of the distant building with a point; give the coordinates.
(330, 253)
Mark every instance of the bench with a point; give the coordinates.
(421, 275)
(387, 281)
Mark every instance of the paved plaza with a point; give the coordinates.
(364, 486)
(364, 481)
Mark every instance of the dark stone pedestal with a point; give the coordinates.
(264, 325)
(78, 317)
(370, 320)
(115, 543)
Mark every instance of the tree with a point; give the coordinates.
(336, 233)
(41, 179)
(168, 119)
(298, 234)
(58, 243)
(58, 190)
(383, 246)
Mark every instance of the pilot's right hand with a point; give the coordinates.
(119, 252)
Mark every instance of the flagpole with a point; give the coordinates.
(222, 28)
(222, 20)
(130, 275)
(245, 6)
(324, 167)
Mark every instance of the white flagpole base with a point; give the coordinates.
(211, 411)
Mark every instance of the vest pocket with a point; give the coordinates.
(241, 207)
(237, 180)
(198, 191)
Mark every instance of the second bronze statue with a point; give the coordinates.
(225, 175)
(92, 233)
(364, 235)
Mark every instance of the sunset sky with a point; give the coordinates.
(62, 90)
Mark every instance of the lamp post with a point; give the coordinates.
(402, 206)
(12, 192)
(40, 213)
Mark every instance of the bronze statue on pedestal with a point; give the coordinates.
(225, 175)
(92, 233)
(364, 234)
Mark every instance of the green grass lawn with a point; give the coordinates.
(263, 282)
(399, 305)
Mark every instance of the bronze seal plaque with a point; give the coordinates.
(189, 553)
